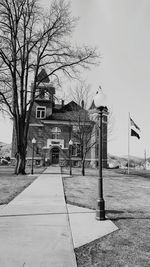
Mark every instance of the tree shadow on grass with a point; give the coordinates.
(115, 211)
(115, 215)
(130, 218)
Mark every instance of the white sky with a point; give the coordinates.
(121, 31)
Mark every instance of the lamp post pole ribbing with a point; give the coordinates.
(100, 209)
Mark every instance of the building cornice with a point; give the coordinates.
(64, 122)
(36, 124)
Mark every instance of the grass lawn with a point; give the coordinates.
(11, 185)
(127, 202)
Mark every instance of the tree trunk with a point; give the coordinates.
(20, 162)
(83, 168)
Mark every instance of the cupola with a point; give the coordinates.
(44, 90)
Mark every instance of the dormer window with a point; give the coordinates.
(40, 112)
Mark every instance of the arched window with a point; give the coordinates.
(56, 133)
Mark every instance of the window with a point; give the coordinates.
(40, 132)
(97, 150)
(97, 131)
(75, 128)
(56, 133)
(39, 148)
(76, 150)
(37, 162)
(40, 112)
(41, 93)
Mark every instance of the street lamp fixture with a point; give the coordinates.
(70, 154)
(33, 145)
(100, 103)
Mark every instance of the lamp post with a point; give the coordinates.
(70, 150)
(100, 103)
(33, 144)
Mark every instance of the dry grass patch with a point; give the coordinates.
(11, 185)
(127, 204)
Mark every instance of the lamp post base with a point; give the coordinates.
(100, 210)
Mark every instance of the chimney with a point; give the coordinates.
(82, 103)
(62, 102)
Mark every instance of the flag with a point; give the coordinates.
(134, 129)
(134, 124)
(134, 133)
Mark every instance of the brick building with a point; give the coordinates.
(53, 125)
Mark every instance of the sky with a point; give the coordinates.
(120, 29)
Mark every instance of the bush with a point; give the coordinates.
(4, 161)
(7, 158)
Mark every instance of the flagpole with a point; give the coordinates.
(128, 142)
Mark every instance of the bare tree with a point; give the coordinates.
(83, 135)
(88, 121)
(81, 94)
(84, 129)
(111, 124)
(29, 41)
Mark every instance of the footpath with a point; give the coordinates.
(38, 229)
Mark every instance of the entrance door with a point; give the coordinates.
(55, 155)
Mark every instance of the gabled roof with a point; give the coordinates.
(71, 106)
(92, 105)
(70, 112)
(43, 77)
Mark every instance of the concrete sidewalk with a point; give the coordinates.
(38, 229)
(34, 227)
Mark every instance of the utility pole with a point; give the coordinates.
(145, 159)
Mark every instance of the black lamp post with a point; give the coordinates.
(70, 154)
(99, 101)
(33, 144)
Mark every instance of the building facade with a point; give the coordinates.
(54, 125)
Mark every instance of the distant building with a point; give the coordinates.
(53, 125)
